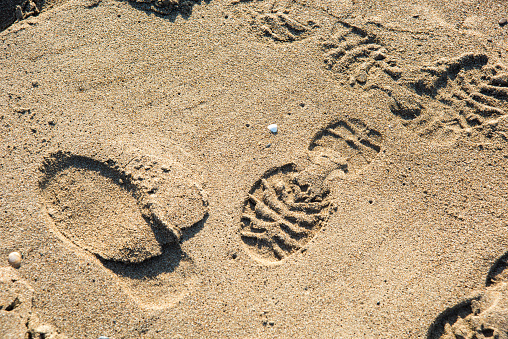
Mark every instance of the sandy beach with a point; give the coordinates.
(147, 197)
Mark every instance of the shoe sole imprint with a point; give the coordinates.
(280, 216)
(350, 139)
(129, 215)
(286, 208)
(469, 85)
(458, 93)
(285, 22)
(355, 53)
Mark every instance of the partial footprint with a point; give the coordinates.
(17, 313)
(350, 142)
(286, 208)
(469, 85)
(130, 211)
(165, 7)
(281, 27)
(442, 100)
(356, 55)
(485, 316)
(285, 21)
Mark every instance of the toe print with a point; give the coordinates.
(351, 140)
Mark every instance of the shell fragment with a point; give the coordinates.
(273, 128)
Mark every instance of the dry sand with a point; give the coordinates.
(148, 198)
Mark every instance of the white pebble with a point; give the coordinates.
(273, 128)
(15, 259)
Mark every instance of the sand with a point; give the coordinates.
(148, 198)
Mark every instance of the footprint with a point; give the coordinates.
(469, 85)
(280, 216)
(350, 142)
(362, 61)
(438, 101)
(18, 318)
(455, 95)
(165, 7)
(451, 96)
(485, 316)
(130, 213)
(287, 207)
(356, 55)
(281, 27)
(285, 21)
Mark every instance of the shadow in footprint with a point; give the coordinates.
(498, 271)
(485, 316)
(173, 270)
(447, 317)
(167, 262)
(124, 216)
(168, 9)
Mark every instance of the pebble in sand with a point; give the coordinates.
(15, 259)
(273, 128)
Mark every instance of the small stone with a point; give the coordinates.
(503, 22)
(378, 55)
(273, 128)
(362, 77)
(15, 259)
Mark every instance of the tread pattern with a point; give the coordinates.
(286, 208)
(350, 139)
(285, 21)
(468, 85)
(281, 27)
(355, 53)
(280, 216)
